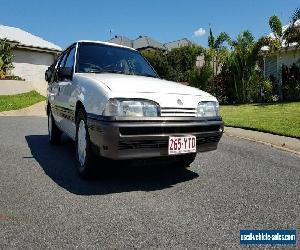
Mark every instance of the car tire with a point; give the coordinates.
(54, 134)
(84, 154)
(186, 160)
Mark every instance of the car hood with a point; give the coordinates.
(142, 84)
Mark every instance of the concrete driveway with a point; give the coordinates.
(44, 204)
(13, 87)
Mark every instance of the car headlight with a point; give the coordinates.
(208, 109)
(131, 108)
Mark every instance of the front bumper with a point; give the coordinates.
(129, 138)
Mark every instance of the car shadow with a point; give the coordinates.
(59, 163)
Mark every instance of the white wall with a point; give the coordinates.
(32, 65)
(289, 57)
(274, 62)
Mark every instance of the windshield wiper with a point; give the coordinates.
(94, 71)
(104, 71)
(148, 75)
(98, 71)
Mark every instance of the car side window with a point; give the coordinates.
(62, 61)
(70, 59)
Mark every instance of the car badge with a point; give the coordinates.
(179, 102)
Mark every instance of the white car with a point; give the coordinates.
(112, 103)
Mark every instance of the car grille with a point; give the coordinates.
(150, 144)
(178, 112)
(167, 130)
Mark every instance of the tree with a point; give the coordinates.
(6, 57)
(276, 40)
(292, 33)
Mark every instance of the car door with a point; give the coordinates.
(54, 90)
(65, 100)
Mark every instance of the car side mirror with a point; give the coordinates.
(65, 73)
(48, 74)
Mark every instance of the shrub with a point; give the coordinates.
(291, 83)
(177, 65)
(6, 57)
(159, 62)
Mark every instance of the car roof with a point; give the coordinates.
(105, 43)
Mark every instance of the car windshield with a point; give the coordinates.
(101, 58)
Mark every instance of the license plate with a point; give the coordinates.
(182, 144)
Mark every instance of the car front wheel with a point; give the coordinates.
(84, 153)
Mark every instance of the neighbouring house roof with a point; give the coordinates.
(177, 43)
(145, 42)
(122, 40)
(23, 39)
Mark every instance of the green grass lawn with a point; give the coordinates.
(280, 118)
(12, 102)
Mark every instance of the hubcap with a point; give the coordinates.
(50, 125)
(81, 143)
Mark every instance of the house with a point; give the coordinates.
(148, 43)
(32, 55)
(122, 40)
(286, 56)
(178, 43)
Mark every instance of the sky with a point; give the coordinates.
(64, 21)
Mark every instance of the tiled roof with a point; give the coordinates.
(145, 42)
(23, 38)
(121, 40)
(177, 44)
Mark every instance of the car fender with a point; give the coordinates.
(92, 94)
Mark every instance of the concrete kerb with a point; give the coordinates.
(289, 144)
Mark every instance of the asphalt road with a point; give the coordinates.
(43, 203)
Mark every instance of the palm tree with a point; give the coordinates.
(242, 63)
(217, 51)
(276, 40)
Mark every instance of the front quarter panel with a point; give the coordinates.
(93, 95)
